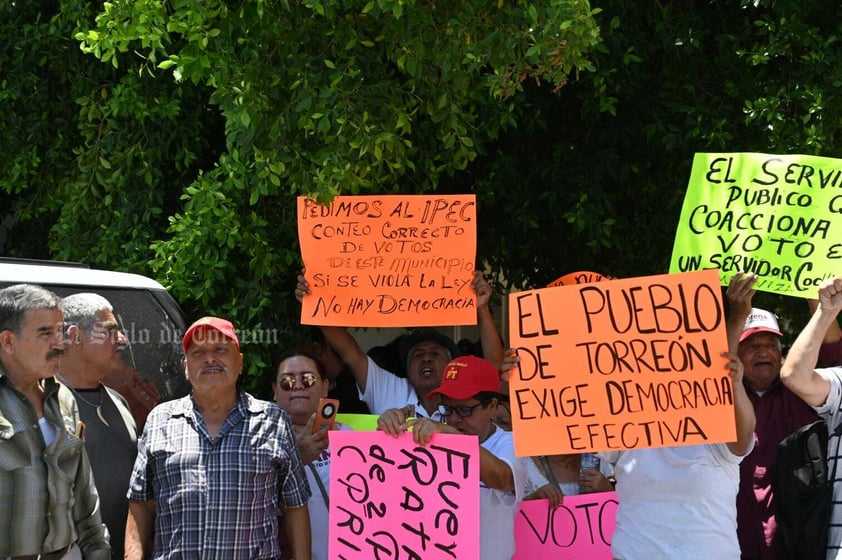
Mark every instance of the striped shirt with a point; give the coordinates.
(218, 498)
(831, 413)
(47, 495)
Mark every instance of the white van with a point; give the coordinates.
(149, 317)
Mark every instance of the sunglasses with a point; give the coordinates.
(307, 378)
(463, 411)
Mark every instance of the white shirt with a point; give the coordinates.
(497, 507)
(830, 413)
(385, 390)
(676, 502)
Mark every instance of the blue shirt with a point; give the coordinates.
(218, 498)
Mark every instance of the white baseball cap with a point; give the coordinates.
(760, 320)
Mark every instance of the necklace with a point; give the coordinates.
(97, 407)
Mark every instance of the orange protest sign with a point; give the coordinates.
(389, 261)
(582, 277)
(621, 364)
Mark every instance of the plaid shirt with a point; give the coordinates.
(47, 495)
(218, 498)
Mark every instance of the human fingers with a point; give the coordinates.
(734, 365)
(510, 361)
(301, 288)
(392, 422)
(830, 294)
(553, 494)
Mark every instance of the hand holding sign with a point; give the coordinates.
(620, 364)
(390, 498)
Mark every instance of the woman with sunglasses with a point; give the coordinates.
(297, 386)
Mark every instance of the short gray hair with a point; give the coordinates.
(16, 300)
(81, 309)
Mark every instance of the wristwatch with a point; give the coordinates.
(613, 480)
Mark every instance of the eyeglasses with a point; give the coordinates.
(463, 411)
(307, 378)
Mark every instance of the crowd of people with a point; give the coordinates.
(221, 474)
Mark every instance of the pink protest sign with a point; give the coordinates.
(581, 527)
(391, 498)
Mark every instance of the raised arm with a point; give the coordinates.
(489, 337)
(799, 370)
(830, 354)
(743, 409)
(345, 345)
(833, 334)
(739, 295)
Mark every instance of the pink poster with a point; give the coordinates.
(391, 498)
(579, 528)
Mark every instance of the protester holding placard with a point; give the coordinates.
(680, 502)
(469, 394)
(778, 410)
(425, 354)
(297, 386)
(822, 389)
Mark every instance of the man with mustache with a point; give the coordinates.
(50, 507)
(215, 468)
(94, 346)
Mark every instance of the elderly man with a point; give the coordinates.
(212, 466)
(94, 346)
(50, 508)
(424, 354)
(778, 410)
(469, 396)
(821, 389)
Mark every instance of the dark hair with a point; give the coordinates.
(292, 354)
(16, 300)
(485, 397)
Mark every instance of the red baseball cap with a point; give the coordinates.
(222, 326)
(467, 376)
(760, 320)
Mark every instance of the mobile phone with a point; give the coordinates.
(326, 414)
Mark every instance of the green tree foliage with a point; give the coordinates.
(195, 125)
(178, 148)
(596, 180)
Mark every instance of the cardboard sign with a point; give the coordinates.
(358, 422)
(582, 277)
(581, 527)
(777, 216)
(389, 261)
(621, 364)
(390, 498)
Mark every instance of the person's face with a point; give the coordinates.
(761, 357)
(503, 418)
(291, 390)
(35, 350)
(212, 362)
(480, 422)
(105, 344)
(425, 363)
